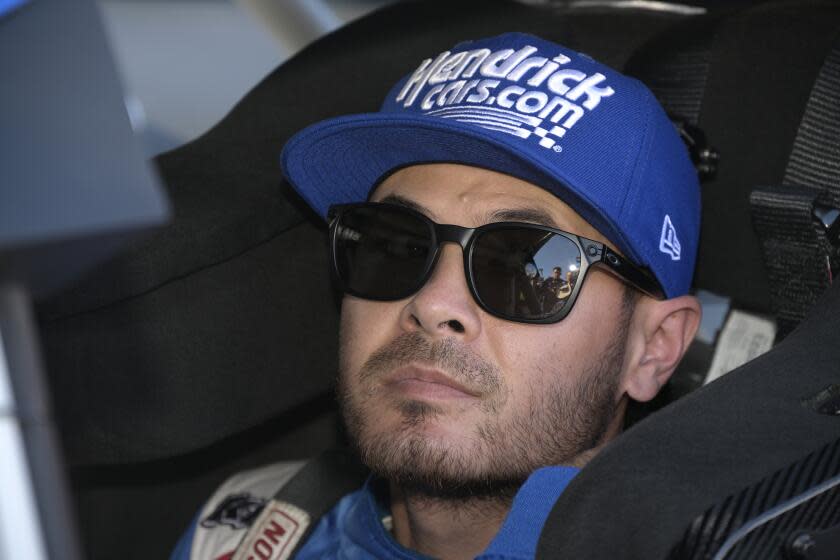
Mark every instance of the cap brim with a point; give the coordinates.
(340, 160)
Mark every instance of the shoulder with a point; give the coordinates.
(225, 518)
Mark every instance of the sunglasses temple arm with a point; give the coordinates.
(630, 273)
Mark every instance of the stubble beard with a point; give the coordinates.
(560, 422)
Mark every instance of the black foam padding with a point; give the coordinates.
(637, 497)
(199, 358)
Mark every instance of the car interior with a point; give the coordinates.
(208, 345)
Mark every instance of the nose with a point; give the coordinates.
(444, 306)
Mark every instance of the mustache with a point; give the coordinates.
(447, 354)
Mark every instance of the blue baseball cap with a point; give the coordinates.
(533, 109)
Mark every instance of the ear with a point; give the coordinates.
(663, 331)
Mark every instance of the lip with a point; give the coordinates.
(427, 383)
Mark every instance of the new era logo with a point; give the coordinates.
(668, 242)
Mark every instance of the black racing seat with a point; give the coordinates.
(641, 495)
(709, 466)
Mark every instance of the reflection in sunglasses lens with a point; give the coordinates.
(523, 272)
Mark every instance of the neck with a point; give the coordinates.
(443, 528)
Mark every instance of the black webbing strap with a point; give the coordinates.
(321, 483)
(318, 486)
(301, 503)
(677, 76)
(797, 253)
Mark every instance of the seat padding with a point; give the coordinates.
(640, 494)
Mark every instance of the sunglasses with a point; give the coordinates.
(520, 272)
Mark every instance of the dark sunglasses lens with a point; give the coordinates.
(525, 273)
(381, 252)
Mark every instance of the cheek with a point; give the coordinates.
(598, 308)
(365, 327)
(533, 355)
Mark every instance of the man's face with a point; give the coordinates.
(446, 400)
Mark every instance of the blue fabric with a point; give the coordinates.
(517, 539)
(184, 546)
(7, 6)
(532, 109)
(353, 530)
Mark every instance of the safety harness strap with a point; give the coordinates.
(797, 249)
(796, 253)
(289, 517)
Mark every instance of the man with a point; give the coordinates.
(471, 401)
(555, 288)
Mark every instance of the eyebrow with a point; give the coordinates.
(533, 215)
(408, 203)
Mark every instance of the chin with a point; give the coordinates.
(433, 450)
(431, 461)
